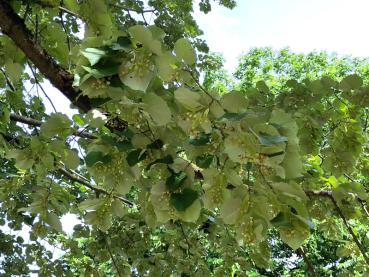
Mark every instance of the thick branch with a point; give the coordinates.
(36, 123)
(13, 26)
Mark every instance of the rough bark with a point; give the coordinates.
(12, 25)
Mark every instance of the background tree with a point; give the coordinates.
(167, 176)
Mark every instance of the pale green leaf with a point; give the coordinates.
(71, 159)
(53, 220)
(158, 109)
(57, 124)
(230, 209)
(93, 55)
(234, 102)
(185, 51)
(117, 208)
(192, 213)
(188, 99)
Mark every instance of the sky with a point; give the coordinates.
(339, 26)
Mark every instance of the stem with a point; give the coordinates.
(112, 258)
(356, 240)
(185, 236)
(69, 12)
(74, 176)
(42, 89)
(300, 251)
(9, 83)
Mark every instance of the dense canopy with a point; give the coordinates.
(172, 167)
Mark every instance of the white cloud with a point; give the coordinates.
(333, 25)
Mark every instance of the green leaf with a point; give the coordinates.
(135, 156)
(71, 159)
(122, 146)
(351, 82)
(102, 71)
(175, 180)
(158, 109)
(281, 220)
(230, 210)
(184, 51)
(296, 235)
(94, 55)
(123, 43)
(117, 208)
(204, 161)
(192, 213)
(165, 65)
(56, 124)
(168, 159)
(78, 120)
(141, 34)
(181, 201)
(266, 139)
(94, 157)
(23, 158)
(234, 116)
(234, 102)
(157, 144)
(53, 220)
(188, 99)
(97, 102)
(14, 71)
(134, 80)
(91, 204)
(201, 139)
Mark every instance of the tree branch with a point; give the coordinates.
(8, 82)
(356, 240)
(42, 89)
(112, 257)
(300, 251)
(13, 26)
(63, 9)
(340, 213)
(36, 123)
(77, 178)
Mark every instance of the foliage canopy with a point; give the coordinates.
(170, 176)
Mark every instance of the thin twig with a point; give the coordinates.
(42, 89)
(356, 240)
(201, 87)
(112, 258)
(185, 236)
(9, 83)
(66, 33)
(74, 176)
(363, 206)
(131, 9)
(69, 12)
(143, 16)
(300, 251)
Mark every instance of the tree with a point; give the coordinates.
(167, 176)
(328, 257)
